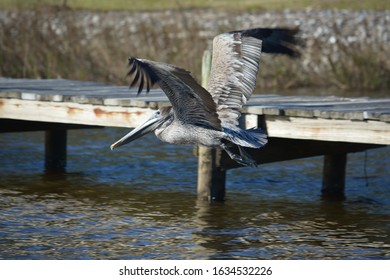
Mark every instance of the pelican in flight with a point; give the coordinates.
(209, 117)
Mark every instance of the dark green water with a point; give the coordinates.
(139, 202)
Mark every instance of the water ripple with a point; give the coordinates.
(141, 204)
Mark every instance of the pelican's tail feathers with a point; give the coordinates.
(251, 138)
(258, 135)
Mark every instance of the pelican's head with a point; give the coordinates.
(159, 118)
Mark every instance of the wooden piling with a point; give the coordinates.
(55, 150)
(206, 67)
(333, 181)
(211, 175)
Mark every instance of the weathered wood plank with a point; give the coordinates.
(340, 109)
(45, 89)
(378, 114)
(73, 113)
(10, 94)
(373, 132)
(307, 114)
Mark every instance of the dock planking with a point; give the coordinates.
(313, 125)
(90, 103)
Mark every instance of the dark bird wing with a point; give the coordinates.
(235, 64)
(191, 103)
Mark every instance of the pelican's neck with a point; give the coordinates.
(168, 119)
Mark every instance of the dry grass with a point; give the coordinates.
(243, 5)
(360, 68)
(48, 43)
(33, 47)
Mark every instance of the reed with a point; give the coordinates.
(360, 68)
(52, 42)
(231, 5)
(49, 42)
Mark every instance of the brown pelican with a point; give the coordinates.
(210, 116)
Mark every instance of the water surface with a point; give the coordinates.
(139, 202)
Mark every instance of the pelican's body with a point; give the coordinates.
(210, 117)
(180, 134)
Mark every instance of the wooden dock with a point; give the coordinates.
(297, 126)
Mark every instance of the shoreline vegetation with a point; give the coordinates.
(345, 49)
(225, 5)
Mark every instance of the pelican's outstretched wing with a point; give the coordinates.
(235, 64)
(191, 103)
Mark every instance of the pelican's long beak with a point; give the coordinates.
(150, 125)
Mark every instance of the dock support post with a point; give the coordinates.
(211, 176)
(333, 181)
(55, 150)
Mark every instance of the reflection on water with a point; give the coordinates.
(140, 203)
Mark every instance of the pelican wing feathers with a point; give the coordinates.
(191, 103)
(235, 64)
